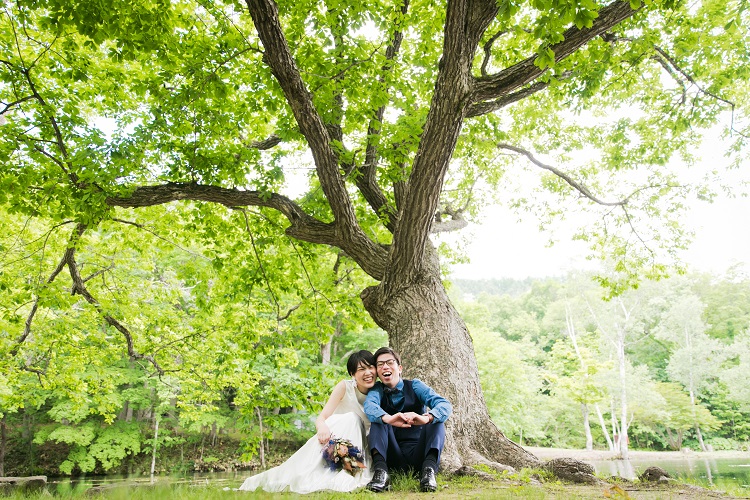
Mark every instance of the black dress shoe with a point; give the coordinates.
(428, 482)
(380, 482)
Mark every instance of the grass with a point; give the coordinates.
(524, 485)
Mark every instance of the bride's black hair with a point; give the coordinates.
(364, 357)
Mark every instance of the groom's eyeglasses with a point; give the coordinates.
(390, 362)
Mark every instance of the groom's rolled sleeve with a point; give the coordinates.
(440, 407)
(372, 405)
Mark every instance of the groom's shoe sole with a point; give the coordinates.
(376, 490)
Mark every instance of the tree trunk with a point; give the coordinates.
(435, 346)
(261, 449)
(153, 455)
(603, 424)
(584, 408)
(587, 427)
(325, 349)
(3, 440)
(325, 352)
(623, 395)
(699, 435)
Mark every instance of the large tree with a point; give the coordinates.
(140, 104)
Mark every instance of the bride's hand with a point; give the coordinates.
(324, 433)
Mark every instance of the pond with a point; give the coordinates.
(721, 473)
(67, 486)
(709, 472)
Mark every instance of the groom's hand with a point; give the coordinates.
(396, 420)
(417, 419)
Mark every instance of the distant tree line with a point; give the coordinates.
(658, 367)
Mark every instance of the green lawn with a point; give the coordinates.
(404, 487)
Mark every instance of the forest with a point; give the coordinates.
(234, 376)
(660, 367)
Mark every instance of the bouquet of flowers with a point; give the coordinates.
(342, 454)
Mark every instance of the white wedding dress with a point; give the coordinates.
(306, 471)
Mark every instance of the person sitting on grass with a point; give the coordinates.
(404, 435)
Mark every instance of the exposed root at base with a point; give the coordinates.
(570, 469)
(472, 472)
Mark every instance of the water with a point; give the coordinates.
(719, 473)
(78, 485)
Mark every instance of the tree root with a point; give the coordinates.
(472, 472)
(479, 459)
(654, 474)
(575, 471)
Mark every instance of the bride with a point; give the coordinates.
(342, 417)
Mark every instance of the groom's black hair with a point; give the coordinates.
(387, 350)
(360, 357)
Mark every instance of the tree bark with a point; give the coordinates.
(325, 349)
(615, 427)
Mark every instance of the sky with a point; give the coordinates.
(503, 248)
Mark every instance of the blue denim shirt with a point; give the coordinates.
(440, 408)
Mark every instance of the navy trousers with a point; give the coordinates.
(406, 448)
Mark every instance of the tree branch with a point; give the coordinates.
(15, 103)
(688, 77)
(669, 64)
(288, 313)
(268, 143)
(34, 309)
(55, 127)
(303, 227)
(79, 287)
(465, 22)
(279, 58)
(98, 273)
(456, 222)
(485, 107)
(664, 63)
(487, 48)
(508, 80)
(572, 182)
(366, 180)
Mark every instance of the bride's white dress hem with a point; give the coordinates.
(306, 471)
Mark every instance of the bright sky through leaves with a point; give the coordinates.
(503, 248)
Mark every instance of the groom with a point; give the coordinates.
(404, 435)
